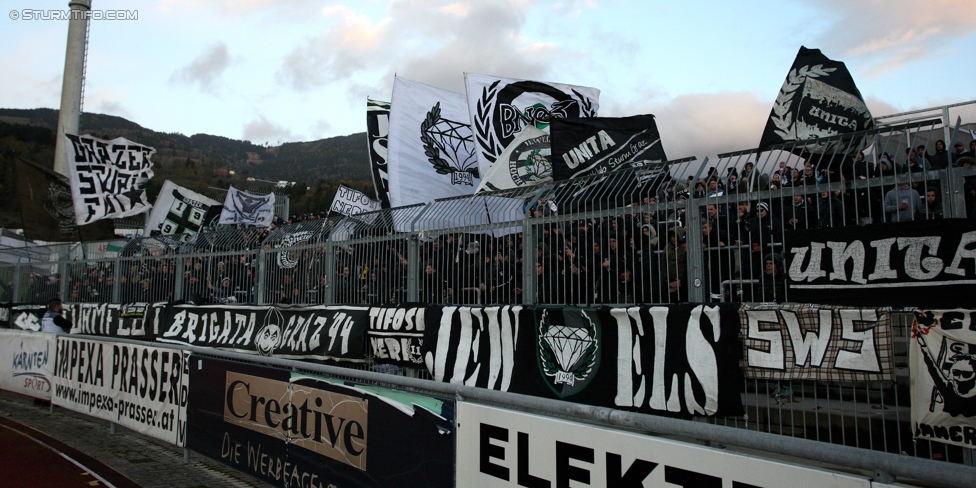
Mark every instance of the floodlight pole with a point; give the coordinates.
(74, 76)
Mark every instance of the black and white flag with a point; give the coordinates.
(179, 211)
(396, 335)
(487, 347)
(241, 207)
(431, 148)
(311, 333)
(377, 131)
(501, 107)
(942, 357)
(526, 161)
(350, 202)
(818, 99)
(108, 178)
(597, 145)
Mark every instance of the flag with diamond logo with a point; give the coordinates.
(568, 347)
(431, 147)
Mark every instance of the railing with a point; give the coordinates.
(618, 238)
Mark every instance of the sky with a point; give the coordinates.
(275, 71)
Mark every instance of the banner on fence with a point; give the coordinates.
(942, 357)
(396, 335)
(499, 448)
(501, 107)
(681, 360)
(130, 320)
(921, 264)
(815, 342)
(108, 178)
(487, 347)
(27, 366)
(241, 207)
(305, 430)
(377, 132)
(28, 317)
(311, 333)
(143, 388)
(596, 145)
(180, 211)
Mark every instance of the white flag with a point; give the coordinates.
(242, 207)
(349, 202)
(526, 161)
(178, 211)
(431, 149)
(501, 107)
(108, 178)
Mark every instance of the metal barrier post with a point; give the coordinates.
(117, 281)
(178, 282)
(330, 273)
(63, 259)
(528, 262)
(261, 283)
(413, 268)
(696, 264)
(18, 276)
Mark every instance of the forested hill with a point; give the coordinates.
(197, 162)
(342, 157)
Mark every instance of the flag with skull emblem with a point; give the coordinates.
(431, 148)
(242, 207)
(942, 357)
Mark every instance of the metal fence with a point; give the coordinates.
(698, 232)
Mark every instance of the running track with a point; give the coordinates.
(31, 458)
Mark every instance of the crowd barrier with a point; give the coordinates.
(611, 242)
(516, 391)
(685, 361)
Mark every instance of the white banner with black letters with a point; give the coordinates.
(396, 335)
(241, 207)
(28, 362)
(311, 333)
(817, 342)
(140, 387)
(942, 357)
(108, 178)
(349, 202)
(431, 148)
(178, 211)
(502, 448)
(501, 107)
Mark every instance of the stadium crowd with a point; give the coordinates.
(639, 255)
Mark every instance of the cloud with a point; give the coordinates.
(703, 124)
(428, 42)
(320, 129)
(262, 130)
(893, 33)
(112, 107)
(206, 69)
